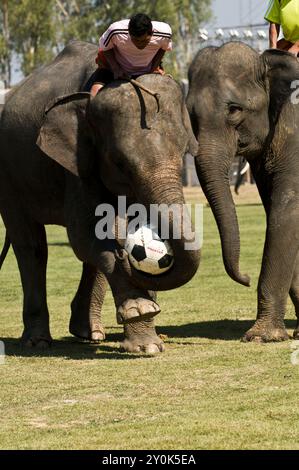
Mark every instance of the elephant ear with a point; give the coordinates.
(192, 142)
(280, 70)
(65, 135)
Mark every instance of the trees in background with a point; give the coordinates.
(5, 44)
(27, 33)
(33, 32)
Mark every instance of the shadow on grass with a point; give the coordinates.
(217, 329)
(76, 349)
(69, 348)
(249, 204)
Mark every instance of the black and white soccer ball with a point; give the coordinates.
(147, 252)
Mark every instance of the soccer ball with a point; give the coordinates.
(147, 252)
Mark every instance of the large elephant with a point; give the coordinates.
(241, 104)
(62, 154)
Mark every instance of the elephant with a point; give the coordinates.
(241, 104)
(62, 154)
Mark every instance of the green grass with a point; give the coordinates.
(207, 391)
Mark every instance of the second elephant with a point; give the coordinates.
(244, 104)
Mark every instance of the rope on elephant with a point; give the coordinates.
(147, 90)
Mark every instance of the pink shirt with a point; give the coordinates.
(130, 58)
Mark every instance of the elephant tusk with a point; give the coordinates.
(147, 90)
(242, 172)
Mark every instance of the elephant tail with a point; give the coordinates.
(4, 249)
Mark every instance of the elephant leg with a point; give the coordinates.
(269, 325)
(278, 273)
(132, 303)
(86, 315)
(30, 247)
(276, 278)
(141, 336)
(87, 305)
(294, 294)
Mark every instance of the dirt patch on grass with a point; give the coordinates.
(39, 423)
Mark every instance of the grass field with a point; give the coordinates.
(207, 391)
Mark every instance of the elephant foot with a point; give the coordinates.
(265, 333)
(136, 309)
(142, 337)
(31, 340)
(94, 332)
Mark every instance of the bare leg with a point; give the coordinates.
(96, 87)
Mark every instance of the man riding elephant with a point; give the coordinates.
(130, 48)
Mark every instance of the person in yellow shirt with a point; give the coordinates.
(284, 14)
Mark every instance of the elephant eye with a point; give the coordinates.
(234, 109)
(235, 114)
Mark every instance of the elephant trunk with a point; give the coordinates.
(213, 174)
(186, 261)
